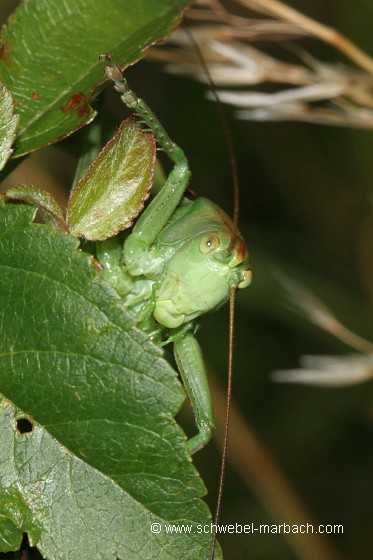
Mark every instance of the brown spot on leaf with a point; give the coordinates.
(77, 101)
(82, 111)
(98, 214)
(4, 49)
(35, 96)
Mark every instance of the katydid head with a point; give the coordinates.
(231, 250)
(201, 270)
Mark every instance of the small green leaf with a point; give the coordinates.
(8, 125)
(49, 57)
(104, 458)
(16, 515)
(112, 193)
(50, 209)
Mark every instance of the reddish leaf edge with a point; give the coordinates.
(18, 194)
(128, 223)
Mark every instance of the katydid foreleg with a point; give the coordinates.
(159, 211)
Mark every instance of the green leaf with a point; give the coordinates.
(49, 57)
(104, 458)
(8, 125)
(15, 514)
(112, 193)
(75, 511)
(50, 209)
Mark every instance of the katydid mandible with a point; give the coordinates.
(180, 260)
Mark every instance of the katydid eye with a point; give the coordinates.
(209, 244)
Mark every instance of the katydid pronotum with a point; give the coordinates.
(180, 260)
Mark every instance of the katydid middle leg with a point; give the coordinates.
(192, 370)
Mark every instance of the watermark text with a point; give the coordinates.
(248, 528)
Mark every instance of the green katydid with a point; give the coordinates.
(180, 260)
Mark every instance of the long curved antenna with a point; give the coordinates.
(232, 296)
(232, 291)
(227, 136)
